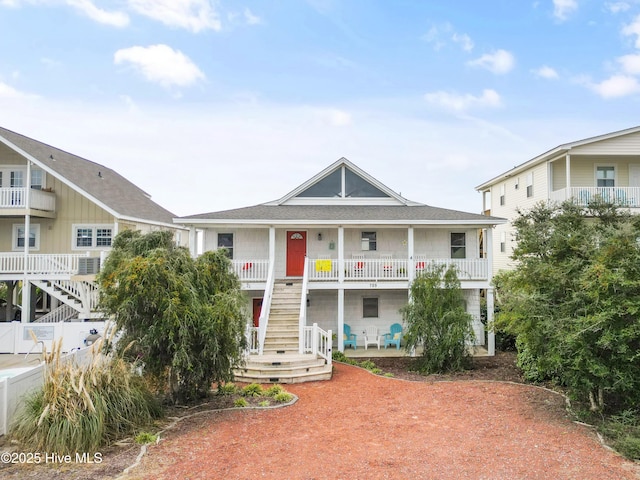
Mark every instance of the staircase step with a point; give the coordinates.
(284, 368)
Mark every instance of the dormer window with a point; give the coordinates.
(343, 183)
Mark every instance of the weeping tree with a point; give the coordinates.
(187, 317)
(437, 321)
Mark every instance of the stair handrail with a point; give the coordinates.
(62, 313)
(318, 342)
(266, 305)
(302, 319)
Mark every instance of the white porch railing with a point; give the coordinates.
(379, 269)
(302, 318)
(43, 264)
(253, 344)
(17, 198)
(623, 196)
(251, 270)
(60, 314)
(266, 307)
(317, 342)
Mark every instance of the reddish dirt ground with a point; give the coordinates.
(362, 426)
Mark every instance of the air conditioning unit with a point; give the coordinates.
(88, 265)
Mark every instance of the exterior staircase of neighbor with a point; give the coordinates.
(81, 296)
(281, 361)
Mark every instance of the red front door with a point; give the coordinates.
(296, 251)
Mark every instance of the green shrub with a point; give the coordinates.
(273, 390)
(144, 438)
(83, 408)
(252, 390)
(240, 402)
(283, 397)
(228, 388)
(264, 403)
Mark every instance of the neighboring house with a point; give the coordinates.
(344, 249)
(606, 166)
(59, 214)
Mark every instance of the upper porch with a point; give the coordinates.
(14, 201)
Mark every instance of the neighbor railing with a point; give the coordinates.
(623, 196)
(43, 264)
(16, 197)
(302, 317)
(253, 343)
(317, 342)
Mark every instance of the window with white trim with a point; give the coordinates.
(368, 241)
(503, 242)
(225, 240)
(502, 194)
(530, 185)
(605, 176)
(88, 237)
(458, 245)
(34, 237)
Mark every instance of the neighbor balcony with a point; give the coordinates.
(39, 265)
(622, 196)
(16, 198)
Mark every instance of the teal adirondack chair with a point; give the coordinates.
(349, 338)
(394, 337)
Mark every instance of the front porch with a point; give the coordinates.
(392, 352)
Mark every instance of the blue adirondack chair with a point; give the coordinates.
(394, 337)
(349, 338)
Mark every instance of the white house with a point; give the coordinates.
(606, 166)
(71, 208)
(342, 249)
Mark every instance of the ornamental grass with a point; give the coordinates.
(81, 408)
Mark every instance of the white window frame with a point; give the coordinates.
(33, 228)
(606, 165)
(503, 199)
(451, 246)
(503, 242)
(6, 170)
(530, 185)
(94, 227)
(366, 242)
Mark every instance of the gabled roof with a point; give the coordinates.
(556, 152)
(352, 186)
(387, 208)
(104, 186)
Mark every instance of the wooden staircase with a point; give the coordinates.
(281, 361)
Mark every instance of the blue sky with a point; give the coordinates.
(210, 105)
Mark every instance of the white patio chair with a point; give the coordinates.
(371, 336)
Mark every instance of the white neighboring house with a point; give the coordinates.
(344, 249)
(606, 166)
(72, 209)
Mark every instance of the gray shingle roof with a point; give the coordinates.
(104, 184)
(345, 213)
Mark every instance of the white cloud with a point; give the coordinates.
(250, 18)
(563, 8)
(193, 15)
(633, 29)
(617, 7)
(459, 103)
(339, 118)
(616, 86)
(630, 64)
(440, 35)
(7, 91)
(161, 64)
(545, 72)
(498, 62)
(463, 40)
(115, 19)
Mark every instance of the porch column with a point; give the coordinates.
(341, 260)
(26, 290)
(411, 264)
(192, 241)
(488, 247)
(568, 175)
(491, 336)
(272, 244)
(340, 331)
